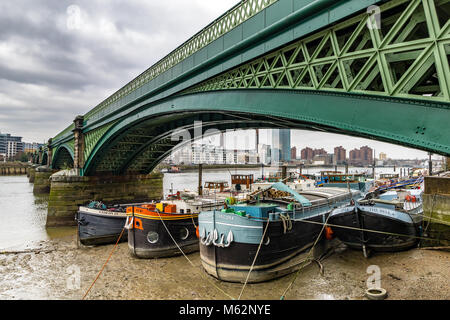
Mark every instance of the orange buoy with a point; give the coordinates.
(328, 233)
(197, 233)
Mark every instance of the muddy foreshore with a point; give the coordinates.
(57, 269)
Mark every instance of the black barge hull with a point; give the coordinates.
(96, 227)
(149, 238)
(280, 253)
(395, 231)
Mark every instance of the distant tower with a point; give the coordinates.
(281, 144)
(256, 139)
(222, 143)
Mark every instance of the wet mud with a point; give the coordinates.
(58, 269)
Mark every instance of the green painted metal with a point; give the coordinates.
(409, 123)
(225, 23)
(316, 51)
(92, 137)
(290, 16)
(62, 156)
(406, 58)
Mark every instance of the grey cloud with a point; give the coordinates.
(67, 72)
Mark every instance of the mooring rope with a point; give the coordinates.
(254, 260)
(431, 211)
(344, 227)
(308, 259)
(104, 265)
(189, 260)
(364, 229)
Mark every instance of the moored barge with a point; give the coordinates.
(165, 228)
(283, 229)
(389, 222)
(100, 224)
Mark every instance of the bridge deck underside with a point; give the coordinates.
(140, 149)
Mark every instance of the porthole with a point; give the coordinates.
(152, 237)
(184, 233)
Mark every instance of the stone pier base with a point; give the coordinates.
(436, 210)
(68, 191)
(42, 180)
(31, 174)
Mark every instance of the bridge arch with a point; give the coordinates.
(142, 139)
(63, 157)
(44, 158)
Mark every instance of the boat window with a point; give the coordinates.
(181, 210)
(152, 237)
(184, 233)
(188, 210)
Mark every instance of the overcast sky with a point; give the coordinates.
(61, 58)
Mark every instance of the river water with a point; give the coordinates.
(23, 215)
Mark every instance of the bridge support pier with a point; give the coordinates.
(436, 211)
(49, 153)
(42, 180)
(32, 173)
(68, 190)
(78, 149)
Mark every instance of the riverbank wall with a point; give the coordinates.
(436, 211)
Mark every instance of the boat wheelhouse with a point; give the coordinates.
(358, 181)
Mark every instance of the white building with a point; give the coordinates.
(264, 153)
(12, 148)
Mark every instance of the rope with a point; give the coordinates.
(308, 259)
(104, 265)
(364, 229)
(193, 222)
(254, 260)
(432, 207)
(435, 219)
(192, 264)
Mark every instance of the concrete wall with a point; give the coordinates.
(436, 207)
(68, 192)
